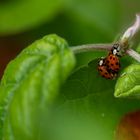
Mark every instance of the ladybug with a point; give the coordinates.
(104, 71)
(112, 60)
(109, 67)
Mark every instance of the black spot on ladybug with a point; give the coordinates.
(105, 73)
(107, 61)
(113, 58)
(108, 68)
(112, 64)
(110, 57)
(117, 63)
(100, 70)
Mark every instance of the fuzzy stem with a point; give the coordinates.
(90, 47)
(133, 54)
(107, 47)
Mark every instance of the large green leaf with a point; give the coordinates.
(17, 16)
(87, 109)
(29, 86)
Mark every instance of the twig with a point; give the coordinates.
(133, 54)
(90, 47)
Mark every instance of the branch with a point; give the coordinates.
(133, 54)
(90, 47)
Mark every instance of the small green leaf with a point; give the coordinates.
(29, 86)
(128, 83)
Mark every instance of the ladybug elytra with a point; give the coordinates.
(109, 67)
(104, 71)
(113, 63)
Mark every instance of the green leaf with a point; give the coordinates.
(86, 108)
(128, 83)
(21, 15)
(29, 86)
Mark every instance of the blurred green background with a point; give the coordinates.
(78, 21)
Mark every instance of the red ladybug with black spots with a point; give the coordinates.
(112, 60)
(109, 67)
(104, 71)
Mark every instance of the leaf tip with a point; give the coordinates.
(117, 94)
